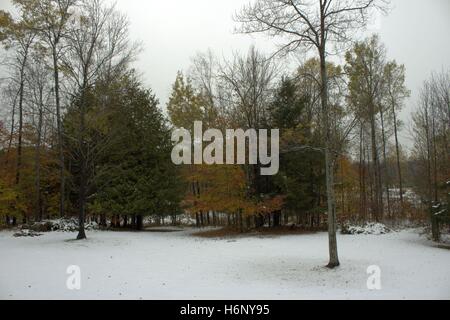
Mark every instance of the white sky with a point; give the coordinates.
(174, 31)
(416, 33)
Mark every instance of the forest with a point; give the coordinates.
(81, 136)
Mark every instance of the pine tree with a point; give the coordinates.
(135, 176)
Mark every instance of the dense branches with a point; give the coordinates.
(84, 137)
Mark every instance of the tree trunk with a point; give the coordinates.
(139, 222)
(397, 149)
(276, 219)
(83, 168)
(329, 166)
(435, 160)
(362, 175)
(59, 131)
(38, 166)
(434, 224)
(133, 222)
(103, 220)
(19, 147)
(201, 219)
(82, 204)
(377, 204)
(386, 182)
(174, 220)
(240, 222)
(13, 118)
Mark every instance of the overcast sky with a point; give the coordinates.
(416, 33)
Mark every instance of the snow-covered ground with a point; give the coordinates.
(176, 265)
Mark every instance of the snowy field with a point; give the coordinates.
(150, 265)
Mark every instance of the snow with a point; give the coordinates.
(368, 228)
(177, 265)
(408, 195)
(65, 225)
(440, 212)
(27, 233)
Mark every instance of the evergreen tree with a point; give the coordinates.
(301, 176)
(135, 176)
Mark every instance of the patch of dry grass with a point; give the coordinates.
(260, 232)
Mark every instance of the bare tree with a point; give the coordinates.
(396, 94)
(98, 48)
(39, 94)
(431, 144)
(423, 147)
(10, 95)
(311, 24)
(15, 35)
(250, 79)
(205, 75)
(49, 18)
(365, 68)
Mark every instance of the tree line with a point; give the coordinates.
(82, 136)
(374, 174)
(85, 136)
